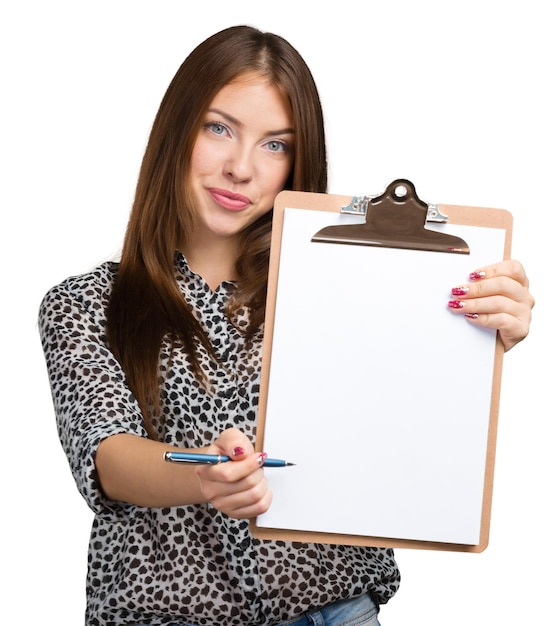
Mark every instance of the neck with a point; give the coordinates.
(213, 261)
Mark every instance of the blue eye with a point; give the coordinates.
(217, 128)
(277, 146)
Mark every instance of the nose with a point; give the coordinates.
(239, 165)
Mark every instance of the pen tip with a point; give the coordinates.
(288, 464)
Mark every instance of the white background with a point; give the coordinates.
(447, 94)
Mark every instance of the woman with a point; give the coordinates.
(162, 352)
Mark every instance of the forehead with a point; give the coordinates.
(253, 94)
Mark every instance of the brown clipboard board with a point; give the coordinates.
(423, 213)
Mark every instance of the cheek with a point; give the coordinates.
(207, 157)
(198, 160)
(279, 178)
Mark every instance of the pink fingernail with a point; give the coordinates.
(477, 275)
(460, 291)
(238, 451)
(261, 458)
(456, 304)
(472, 316)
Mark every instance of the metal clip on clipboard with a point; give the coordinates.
(394, 219)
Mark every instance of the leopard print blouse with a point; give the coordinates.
(188, 564)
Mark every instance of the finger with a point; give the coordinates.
(243, 498)
(496, 304)
(245, 504)
(511, 330)
(234, 443)
(509, 268)
(510, 318)
(500, 285)
(232, 472)
(253, 510)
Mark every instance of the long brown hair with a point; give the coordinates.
(146, 304)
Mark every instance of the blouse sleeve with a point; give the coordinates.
(91, 397)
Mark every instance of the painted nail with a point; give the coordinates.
(261, 458)
(477, 275)
(472, 316)
(456, 304)
(238, 451)
(460, 291)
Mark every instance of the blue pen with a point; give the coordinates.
(214, 459)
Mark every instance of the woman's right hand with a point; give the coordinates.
(238, 488)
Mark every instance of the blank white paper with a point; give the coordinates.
(377, 392)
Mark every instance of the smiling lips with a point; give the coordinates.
(229, 200)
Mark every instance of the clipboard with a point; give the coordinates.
(386, 402)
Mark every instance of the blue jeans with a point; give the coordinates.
(352, 612)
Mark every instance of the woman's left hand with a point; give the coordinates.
(497, 296)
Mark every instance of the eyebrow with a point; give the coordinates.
(234, 120)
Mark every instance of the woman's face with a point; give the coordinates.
(242, 157)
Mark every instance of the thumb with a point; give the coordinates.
(234, 443)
